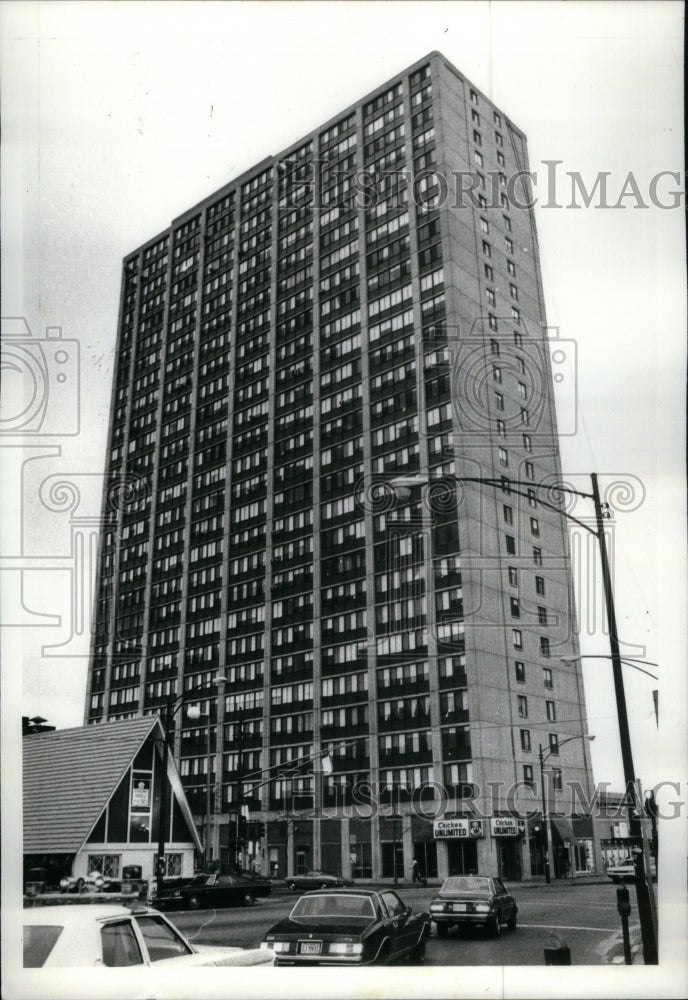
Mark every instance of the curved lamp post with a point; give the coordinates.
(602, 512)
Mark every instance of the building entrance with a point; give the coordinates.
(509, 859)
(462, 857)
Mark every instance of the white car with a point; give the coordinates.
(119, 936)
(625, 870)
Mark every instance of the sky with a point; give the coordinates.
(117, 117)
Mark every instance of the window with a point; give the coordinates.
(494, 347)
(489, 273)
(537, 555)
(525, 739)
(506, 484)
(474, 97)
(553, 743)
(161, 940)
(547, 678)
(511, 267)
(504, 457)
(523, 706)
(484, 225)
(513, 291)
(501, 428)
(551, 711)
(517, 638)
(539, 585)
(477, 138)
(508, 514)
(487, 249)
(510, 545)
(530, 470)
(522, 390)
(532, 498)
(527, 443)
(475, 116)
(525, 416)
(518, 339)
(496, 373)
(496, 118)
(528, 775)
(499, 399)
(542, 615)
(534, 526)
(544, 646)
(119, 945)
(507, 223)
(520, 670)
(492, 321)
(513, 576)
(515, 607)
(490, 296)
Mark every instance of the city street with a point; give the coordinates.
(583, 916)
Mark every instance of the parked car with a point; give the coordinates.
(348, 927)
(625, 870)
(317, 880)
(473, 901)
(116, 936)
(213, 890)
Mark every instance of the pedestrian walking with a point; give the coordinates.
(416, 873)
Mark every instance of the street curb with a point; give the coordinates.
(614, 953)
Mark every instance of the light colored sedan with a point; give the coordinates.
(119, 936)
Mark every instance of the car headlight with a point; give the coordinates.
(64, 882)
(437, 907)
(482, 907)
(345, 948)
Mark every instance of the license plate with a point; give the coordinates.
(459, 907)
(310, 947)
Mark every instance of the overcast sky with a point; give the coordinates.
(118, 117)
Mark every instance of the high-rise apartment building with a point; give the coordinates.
(315, 365)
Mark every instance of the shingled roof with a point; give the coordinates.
(69, 776)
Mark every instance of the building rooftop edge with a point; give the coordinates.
(435, 55)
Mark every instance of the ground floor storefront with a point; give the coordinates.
(397, 846)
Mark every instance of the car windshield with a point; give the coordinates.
(466, 883)
(38, 943)
(324, 905)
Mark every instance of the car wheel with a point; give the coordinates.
(249, 899)
(496, 926)
(511, 922)
(442, 930)
(383, 954)
(194, 902)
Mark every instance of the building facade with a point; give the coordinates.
(315, 365)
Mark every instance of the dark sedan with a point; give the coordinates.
(214, 890)
(348, 927)
(317, 880)
(473, 901)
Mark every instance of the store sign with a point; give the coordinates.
(140, 793)
(507, 826)
(449, 829)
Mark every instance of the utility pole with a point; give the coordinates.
(646, 910)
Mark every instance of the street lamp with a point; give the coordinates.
(602, 512)
(546, 819)
(194, 712)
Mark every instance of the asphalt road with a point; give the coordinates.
(582, 916)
